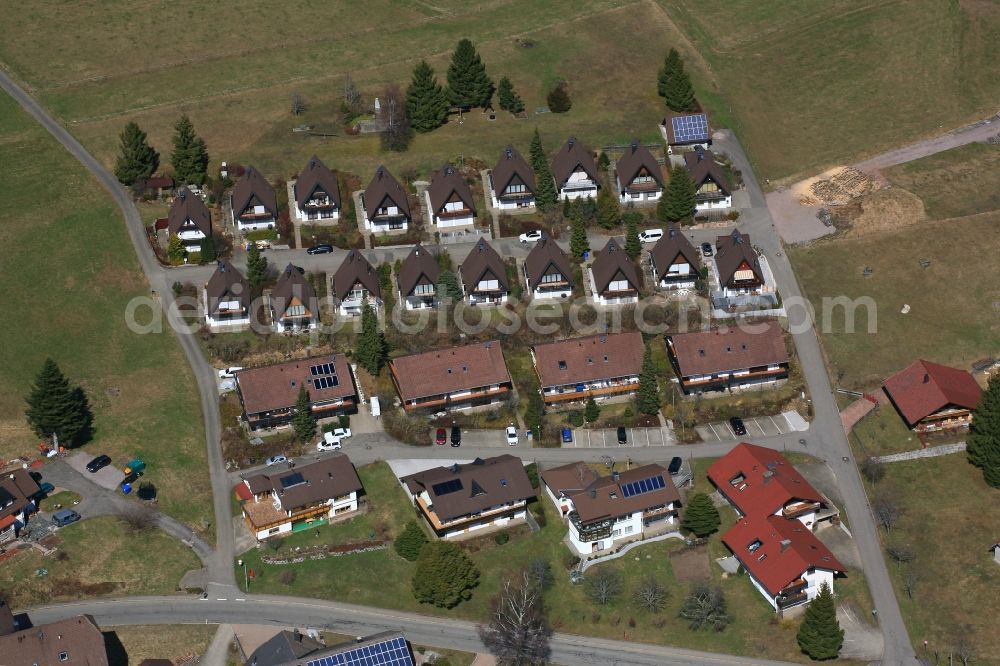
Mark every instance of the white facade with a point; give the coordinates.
(715, 204)
(579, 185)
(640, 197)
(423, 297)
(814, 579)
(311, 214)
(541, 293)
(394, 219)
(526, 204)
(190, 234)
(631, 383)
(615, 285)
(228, 322)
(351, 305)
(337, 506)
(448, 221)
(280, 327)
(492, 286)
(262, 218)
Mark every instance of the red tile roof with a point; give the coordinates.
(582, 360)
(605, 498)
(449, 370)
(732, 348)
(924, 388)
(787, 550)
(277, 386)
(770, 482)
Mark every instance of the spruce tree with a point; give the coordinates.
(448, 287)
(207, 248)
(545, 186)
(983, 442)
(534, 413)
(680, 93)
(678, 200)
(633, 246)
(303, 421)
(425, 99)
(56, 408)
(136, 158)
(648, 393)
(578, 243)
(256, 268)
(701, 517)
(468, 83)
(444, 575)
(190, 156)
(820, 635)
(558, 98)
(609, 214)
(175, 250)
(671, 64)
(591, 411)
(509, 99)
(371, 346)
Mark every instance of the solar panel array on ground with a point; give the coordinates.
(392, 652)
(644, 486)
(690, 128)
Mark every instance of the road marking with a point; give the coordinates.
(715, 434)
(222, 599)
(755, 422)
(775, 423)
(239, 599)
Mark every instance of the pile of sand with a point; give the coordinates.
(886, 210)
(842, 187)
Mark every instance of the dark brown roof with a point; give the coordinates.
(419, 267)
(227, 282)
(447, 183)
(307, 484)
(604, 497)
(481, 260)
(512, 164)
(293, 285)
(79, 637)
(384, 186)
(636, 158)
(189, 206)
(723, 349)
(924, 388)
(316, 176)
(701, 165)
(582, 360)
(450, 370)
(16, 487)
(672, 244)
(354, 269)
(569, 157)
(251, 187)
(277, 386)
(545, 256)
(609, 264)
(732, 252)
(569, 478)
(482, 484)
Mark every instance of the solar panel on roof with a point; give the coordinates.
(446, 487)
(291, 480)
(643, 486)
(690, 128)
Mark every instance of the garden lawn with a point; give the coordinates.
(172, 641)
(69, 272)
(955, 183)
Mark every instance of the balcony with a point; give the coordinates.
(710, 197)
(320, 202)
(442, 400)
(794, 588)
(736, 380)
(448, 214)
(573, 394)
(649, 186)
(785, 602)
(591, 531)
(797, 509)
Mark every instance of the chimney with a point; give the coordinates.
(510, 153)
(183, 194)
(222, 267)
(927, 378)
(635, 145)
(616, 476)
(312, 163)
(700, 152)
(767, 476)
(379, 172)
(570, 142)
(785, 543)
(593, 493)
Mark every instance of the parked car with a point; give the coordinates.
(739, 428)
(650, 236)
(341, 433)
(706, 250)
(622, 436)
(42, 492)
(674, 466)
(441, 436)
(532, 236)
(456, 436)
(567, 436)
(330, 442)
(229, 373)
(274, 460)
(322, 248)
(65, 517)
(98, 463)
(511, 435)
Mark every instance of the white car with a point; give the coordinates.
(341, 433)
(511, 436)
(650, 235)
(531, 236)
(274, 460)
(330, 442)
(228, 373)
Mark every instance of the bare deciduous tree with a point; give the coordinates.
(873, 470)
(353, 102)
(651, 595)
(298, 104)
(540, 571)
(965, 648)
(705, 607)
(136, 518)
(910, 579)
(603, 586)
(397, 134)
(886, 511)
(900, 553)
(518, 633)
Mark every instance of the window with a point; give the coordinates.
(562, 365)
(296, 311)
(590, 360)
(63, 656)
(645, 178)
(423, 289)
(754, 545)
(488, 285)
(516, 189)
(618, 285)
(552, 277)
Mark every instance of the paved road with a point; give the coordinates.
(358, 620)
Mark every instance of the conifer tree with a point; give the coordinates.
(671, 65)
(175, 250)
(680, 93)
(701, 517)
(578, 243)
(678, 200)
(448, 287)
(633, 246)
(534, 413)
(444, 575)
(56, 408)
(609, 213)
(648, 393)
(591, 411)
(190, 156)
(303, 421)
(371, 346)
(468, 83)
(820, 635)
(410, 542)
(558, 98)
(983, 442)
(426, 102)
(136, 158)
(509, 99)
(545, 186)
(256, 268)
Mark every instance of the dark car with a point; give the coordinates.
(622, 437)
(456, 436)
(441, 436)
(567, 436)
(674, 466)
(739, 429)
(706, 250)
(65, 517)
(323, 248)
(98, 463)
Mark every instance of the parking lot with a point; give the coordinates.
(608, 438)
(108, 477)
(761, 426)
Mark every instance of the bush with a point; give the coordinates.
(444, 575)
(501, 538)
(558, 98)
(344, 420)
(532, 472)
(569, 560)
(575, 418)
(409, 544)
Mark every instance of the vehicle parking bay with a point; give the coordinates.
(107, 477)
(761, 426)
(608, 437)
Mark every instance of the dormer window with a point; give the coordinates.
(754, 545)
(562, 365)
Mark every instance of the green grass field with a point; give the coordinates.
(69, 280)
(955, 183)
(172, 641)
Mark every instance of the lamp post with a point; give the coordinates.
(246, 578)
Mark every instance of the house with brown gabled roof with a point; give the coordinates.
(639, 175)
(268, 394)
(547, 271)
(275, 502)
(459, 377)
(189, 219)
(417, 279)
(575, 171)
(601, 511)
(686, 131)
(461, 499)
(355, 281)
(712, 186)
(512, 182)
(484, 276)
(597, 366)
(737, 266)
(317, 192)
(18, 495)
(75, 641)
(294, 306)
(226, 297)
(449, 199)
(613, 278)
(723, 359)
(932, 397)
(385, 203)
(674, 262)
(253, 203)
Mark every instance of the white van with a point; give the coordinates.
(650, 235)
